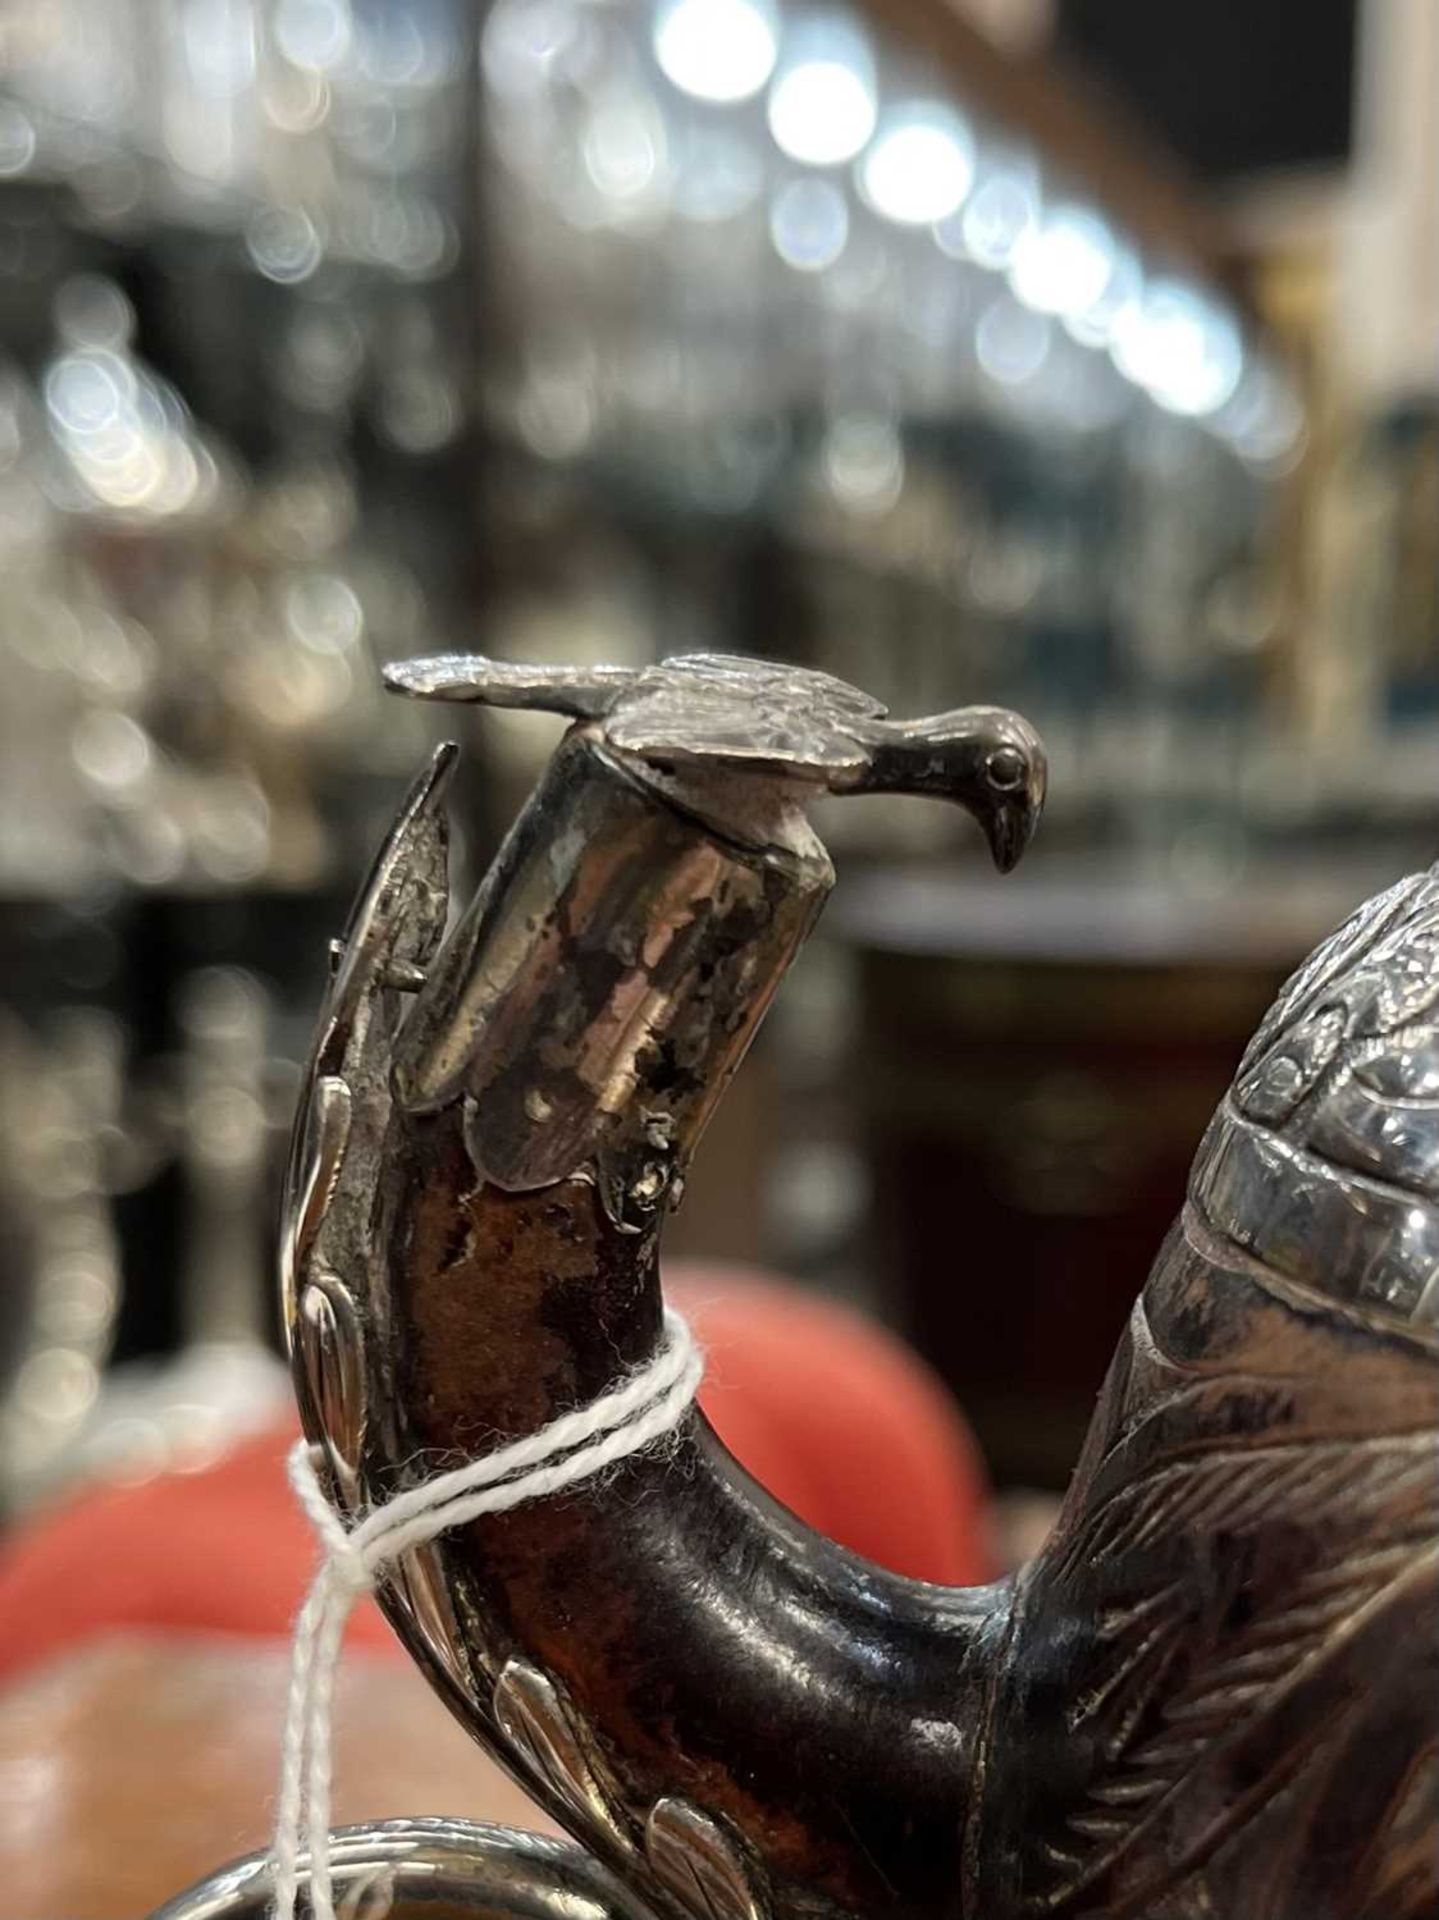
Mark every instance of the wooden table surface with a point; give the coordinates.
(136, 1766)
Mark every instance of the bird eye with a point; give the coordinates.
(1006, 768)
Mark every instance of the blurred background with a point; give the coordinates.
(1081, 355)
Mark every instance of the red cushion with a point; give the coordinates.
(835, 1417)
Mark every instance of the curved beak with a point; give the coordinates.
(1010, 822)
(985, 759)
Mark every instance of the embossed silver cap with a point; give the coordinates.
(1323, 1161)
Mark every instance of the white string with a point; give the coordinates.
(645, 1406)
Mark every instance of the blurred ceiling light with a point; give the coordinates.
(862, 460)
(116, 432)
(1095, 327)
(822, 106)
(717, 174)
(524, 41)
(864, 275)
(1012, 341)
(557, 405)
(619, 153)
(1181, 346)
(229, 817)
(128, 444)
(407, 233)
(1000, 211)
(1264, 420)
(217, 40)
(292, 99)
(92, 397)
(920, 164)
(91, 311)
(284, 244)
(420, 409)
(370, 132)
(418, 45)
(1064, 264)
(321, 357)
(650, 376)
(314, 34)
(1085, 392)
(624, 148)
(809, 224)
(55, 1384)
(323, 612)
(720, 50)
(110, 749)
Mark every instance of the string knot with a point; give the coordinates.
(345, 1555)
(641, 1410)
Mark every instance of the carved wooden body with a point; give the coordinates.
(1214, 1695)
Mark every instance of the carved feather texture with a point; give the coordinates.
(1332, 957)
(1193, 1660)
(1378, 973)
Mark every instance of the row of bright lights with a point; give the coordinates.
(916, 165)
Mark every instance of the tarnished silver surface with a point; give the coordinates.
(334, 1298)
(426, 1870)
(591, 1005)
(713, 711)
(582, 693)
